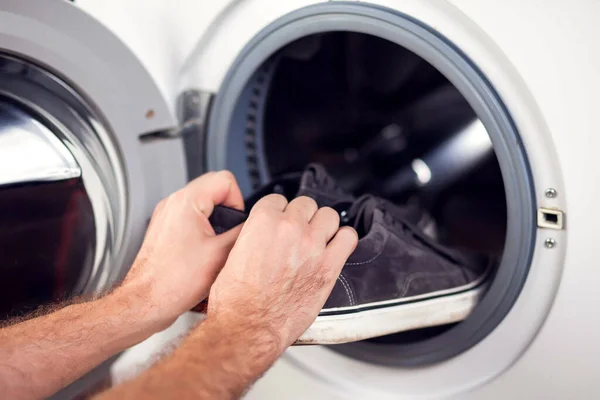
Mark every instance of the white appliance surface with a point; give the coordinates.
(547, 77)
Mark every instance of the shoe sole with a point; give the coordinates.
(369, 323)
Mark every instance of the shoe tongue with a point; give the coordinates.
(315, 176)
(362, 212)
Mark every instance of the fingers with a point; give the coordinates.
(303, 208)
(215, 188)
(339, 249)
(274, 202)
(227, 239)
(219, 248)
(325, 223)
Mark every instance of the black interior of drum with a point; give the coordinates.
(365, 108)
(47, 231)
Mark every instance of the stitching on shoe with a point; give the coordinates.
(346, 289)
(416, 275)
(349, 290)
(344, 283)
(375, 256)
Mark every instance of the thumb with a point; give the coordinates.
(226, 240)
(221, 245)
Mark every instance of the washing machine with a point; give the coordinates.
(483, 110)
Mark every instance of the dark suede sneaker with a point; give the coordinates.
(397, 279)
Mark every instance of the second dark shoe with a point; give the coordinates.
(316, 183)
(313, 182)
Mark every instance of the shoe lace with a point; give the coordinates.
(390, 216)
(358, 207)
(393, 219)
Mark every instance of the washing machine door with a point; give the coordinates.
(77, 185)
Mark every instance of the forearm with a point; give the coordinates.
(40, 356)
(216, 361)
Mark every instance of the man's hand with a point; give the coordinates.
(178, 263)
(274, 283)
(276, 280)
(181, 255)
(282, 268)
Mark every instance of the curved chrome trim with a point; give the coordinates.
(84, 135)
(30, 152)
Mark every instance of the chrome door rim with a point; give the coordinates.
(52, 104)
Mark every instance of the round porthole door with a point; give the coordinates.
(77, 181)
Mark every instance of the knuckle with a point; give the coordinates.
(315, 237)
(160, 206)
(331, 215)
(260, 213)
(275, 197)
(226, 175)
(292, 231)
(351, 233)
(177, 196)
(272, 200)
(205, 177)
(313, 247)
(262, 219)
(307, 202)
(308, 244)
(288, 226)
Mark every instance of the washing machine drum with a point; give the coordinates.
(69, 155)
(386, 114)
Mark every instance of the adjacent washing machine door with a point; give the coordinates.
(76, 184)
